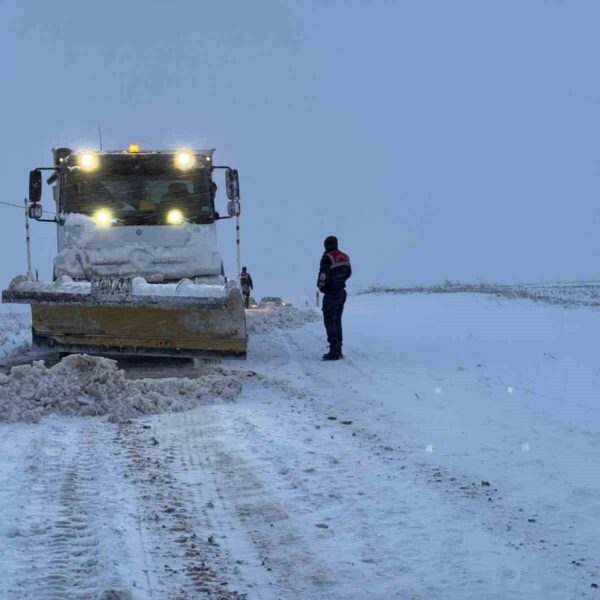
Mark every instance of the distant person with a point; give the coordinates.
(247, 285)
(334, 271)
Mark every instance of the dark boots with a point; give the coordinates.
(335, 353)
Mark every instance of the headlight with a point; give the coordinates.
(103, 217)
(88, 161)
(184, 160)
(175, 217)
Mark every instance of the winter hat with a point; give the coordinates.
(331, 243)
(243, 269)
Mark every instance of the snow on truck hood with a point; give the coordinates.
(154, 252)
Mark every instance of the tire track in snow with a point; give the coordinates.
(281, 546)
(182, 558)
(64, 543)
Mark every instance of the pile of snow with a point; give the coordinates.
(185, 287)
(92, 386)
(63, 284)
(271, 319)
(139, 287)
(15, 332)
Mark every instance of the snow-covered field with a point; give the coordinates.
(452, 454)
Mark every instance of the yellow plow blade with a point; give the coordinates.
(154, 324)
(140, 330)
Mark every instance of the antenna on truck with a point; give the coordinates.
(100, 137)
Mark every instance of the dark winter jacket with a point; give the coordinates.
(246, 281)
(334, 271)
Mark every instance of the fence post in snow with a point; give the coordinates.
(28, 242)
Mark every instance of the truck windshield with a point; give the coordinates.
(141, 199)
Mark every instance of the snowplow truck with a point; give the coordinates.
(138, 270)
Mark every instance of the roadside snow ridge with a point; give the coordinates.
(269, 320)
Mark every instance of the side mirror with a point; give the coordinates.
(233, 184)
(35, 211)
(35, 186)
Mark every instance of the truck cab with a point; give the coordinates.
(144, 214)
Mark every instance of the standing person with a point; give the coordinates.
(335, 269)
(246, 283)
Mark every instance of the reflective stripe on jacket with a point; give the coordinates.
(334, 271)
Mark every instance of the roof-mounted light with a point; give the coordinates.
(184, 160)
(133, 148)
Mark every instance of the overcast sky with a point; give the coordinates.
(449, 139)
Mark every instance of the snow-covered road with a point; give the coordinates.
(452, 454)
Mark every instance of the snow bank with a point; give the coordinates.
(271, 319)
(15, 332)
(563, 294)
(92, 386)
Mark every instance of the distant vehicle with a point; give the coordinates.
(252, 303)
(273, 301)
